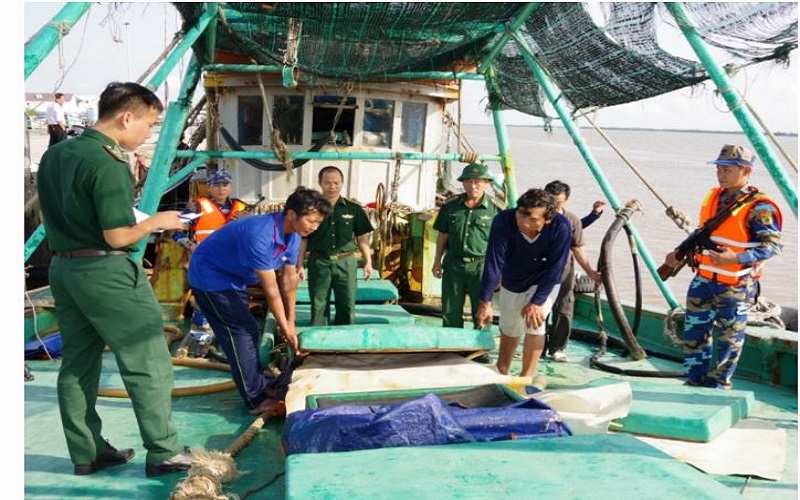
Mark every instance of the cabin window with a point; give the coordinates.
(378, 122)
(251, 122)
(325, 119)
(287, 113)
(412, 125)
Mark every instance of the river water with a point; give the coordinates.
(669, 169)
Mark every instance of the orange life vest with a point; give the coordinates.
(732, 233)
(212, 217)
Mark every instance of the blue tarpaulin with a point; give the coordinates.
(48, 347)
(427, 420)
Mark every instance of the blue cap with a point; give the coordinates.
(219, 176)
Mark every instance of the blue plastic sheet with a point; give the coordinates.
(427, 420)
(45, 348)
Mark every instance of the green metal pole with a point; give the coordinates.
(514, 25)
(583, 148)
(39, 45)
(735, 104)
(328, 155)
(506, 163)
(36, 50)
(177, 53)
(168, 139)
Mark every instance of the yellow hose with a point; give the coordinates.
(178, 392)
(175, 333)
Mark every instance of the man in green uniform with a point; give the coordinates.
(463, 223)
(102, 296)
(331, 252)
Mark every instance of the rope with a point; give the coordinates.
(769, 133)
(347, 87)
(680, 219)
(674, 324)
(276, 143)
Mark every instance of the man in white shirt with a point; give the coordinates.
(56, 120)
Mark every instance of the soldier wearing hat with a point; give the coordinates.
(215, 210)
(463, 223)
(725, 283)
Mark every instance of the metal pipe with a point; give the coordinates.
(329, 155)
(177, 53)
(407, 75)
(507, 164)
(515, 24)
(168, 139)
(38, 47)
(583, 148)
(734, 102)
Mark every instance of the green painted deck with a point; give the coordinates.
(215, 421)
(599, 466)
(374, 291)
(368, 314)
(389, 338)
(672, 412)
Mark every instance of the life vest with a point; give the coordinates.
(732, 233)
(212, 217)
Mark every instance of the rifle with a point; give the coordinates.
(700, 238)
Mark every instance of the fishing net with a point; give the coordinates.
(609, 58)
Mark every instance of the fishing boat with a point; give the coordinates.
(374, 88)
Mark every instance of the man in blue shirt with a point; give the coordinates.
(246, 251)
(528, 247)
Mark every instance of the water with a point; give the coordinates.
(672, 170)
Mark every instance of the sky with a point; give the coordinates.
(102, 48)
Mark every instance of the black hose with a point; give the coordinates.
(605, 269)
(631, 344)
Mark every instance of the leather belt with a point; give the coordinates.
(472, 259)
(88, 252)
(332, 256)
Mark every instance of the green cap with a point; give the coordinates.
(476, 171)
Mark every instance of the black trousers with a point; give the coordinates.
(57, 134)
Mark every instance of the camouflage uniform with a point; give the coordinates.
(712, 306)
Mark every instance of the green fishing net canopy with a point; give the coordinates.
(597, 55)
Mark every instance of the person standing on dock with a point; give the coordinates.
(463, 223)
(564, 305)
(56, 120)
(528, 247)
(332, 263)
(725, 284)
(102, 296)
(260, 249)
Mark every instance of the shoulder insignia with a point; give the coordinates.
(115, 152)
(765, 217)
(501, 204)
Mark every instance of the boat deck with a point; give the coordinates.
(217, 420)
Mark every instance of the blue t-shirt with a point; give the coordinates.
(520, 263)
(227, 259)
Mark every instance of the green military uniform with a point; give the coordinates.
(85, 187)
(332, 264)
(462, 265)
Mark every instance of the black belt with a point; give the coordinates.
(88, 252)
(472, 259)
(332, 256)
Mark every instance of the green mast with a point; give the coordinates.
(735, 104)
